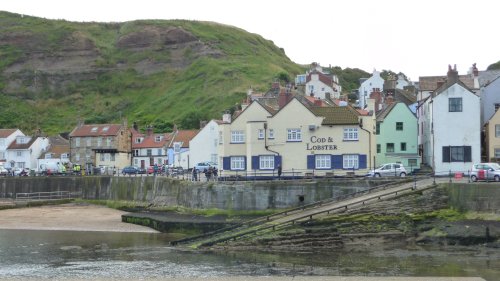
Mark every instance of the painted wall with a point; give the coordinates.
(375, 81)
(5, 142)
(490, 95)
(492, 139)
(203, 147)
(456, 128)
(389, 134)
(318, 88)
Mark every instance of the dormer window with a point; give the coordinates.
(105, 129)
(157, 138)
(93, 130)
(138, 140)
(48, 156)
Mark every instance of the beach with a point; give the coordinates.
(71, 217)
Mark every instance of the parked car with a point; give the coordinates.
(22, 172)
(485, 171)
(200, 167)
(3, 171)
(388, 170)
(130, 170)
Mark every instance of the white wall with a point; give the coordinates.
(203, 147)
(319, 88)
(5, 142)
(375, 81)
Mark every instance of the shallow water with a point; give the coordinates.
(67, 254)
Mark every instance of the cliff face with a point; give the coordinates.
(53, 72)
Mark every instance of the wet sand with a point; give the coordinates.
(74, 217)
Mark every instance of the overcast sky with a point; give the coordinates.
(418, 38)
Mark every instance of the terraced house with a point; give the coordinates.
(101, 145)
(302, 140)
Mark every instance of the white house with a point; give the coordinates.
(178, 150)
(25, 150)
(7, 136)
(149, 149)
(373, 84)
(452, 132)
(490, 100)
(203, 147)
(57, 153)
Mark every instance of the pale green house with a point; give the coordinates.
(396, 134)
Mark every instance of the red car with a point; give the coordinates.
(150, 170)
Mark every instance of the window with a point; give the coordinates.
(237, 136)
(455, 104)
(99, 141)
(271, 134)
(149, 152)
(220, 137)
(136, 162)
(266, 162)
(77, 157)
(389, 147)
(102, 157)
(158, 151)
(19, 153)
(215, 142)
(65, 156)
(457, 154)
(177, 147)
(157, 138)
(351, 161)
(213, 158)
(138, 140)
(377, 129)
(497, 153)
(497, 106)
(48, 156)
(294, 135)
(108, 141)
(237, 163)
(77, 142)
(403, 146)
(497, 131)
(136, 152)
(350, 134)
(399, 126)
(2, 155)
(105, 129)
(379, 149)
(93, 130)
(112, 157)
(89, 141)
(261, 134)
(323, 162)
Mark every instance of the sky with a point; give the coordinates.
(418, 38)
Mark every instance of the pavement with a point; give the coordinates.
(284, 278)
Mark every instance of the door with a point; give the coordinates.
(143, 163)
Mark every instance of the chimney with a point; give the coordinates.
(475, 76)
(377, 98)
(284, 97)
(149, 130)
(226, 117)
(452, 74)
(135, 126)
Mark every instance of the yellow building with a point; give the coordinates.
(301, 139)
(492, 130)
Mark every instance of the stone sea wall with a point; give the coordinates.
(162, 191)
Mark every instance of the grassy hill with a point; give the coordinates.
(54, 72)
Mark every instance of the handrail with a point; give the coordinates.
(253, 231)
(263, 219)
(52, 195)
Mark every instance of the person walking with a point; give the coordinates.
(279, 171)
(195, 174)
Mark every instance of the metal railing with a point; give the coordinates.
(43, 196)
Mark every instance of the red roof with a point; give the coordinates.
(15, 145)
(96, 130)
(6, 132)
(150, 141)
(184, 136)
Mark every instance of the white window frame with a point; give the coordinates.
(108, 141)
(271, 134)
(19, 153)
(238, 136)
(88, 141)
(77, 142)
(158, 152)
(497, 153)
(77, 157)
(221, 137)
(351, 134)
(157, 138)
(266, 162)
(99, 141)
(293, 135)
(238, 163)
(323, 161)
(350, 160)
(497, 131)
(260, 134)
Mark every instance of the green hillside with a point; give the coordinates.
(155, 71)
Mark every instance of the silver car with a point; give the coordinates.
(485, 171)
(388, 170)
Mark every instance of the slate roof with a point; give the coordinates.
(405, 96)
(338, 115)
(488, 76)
(430, 83)
(6, 132)
(384, 112)
(89, 131)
